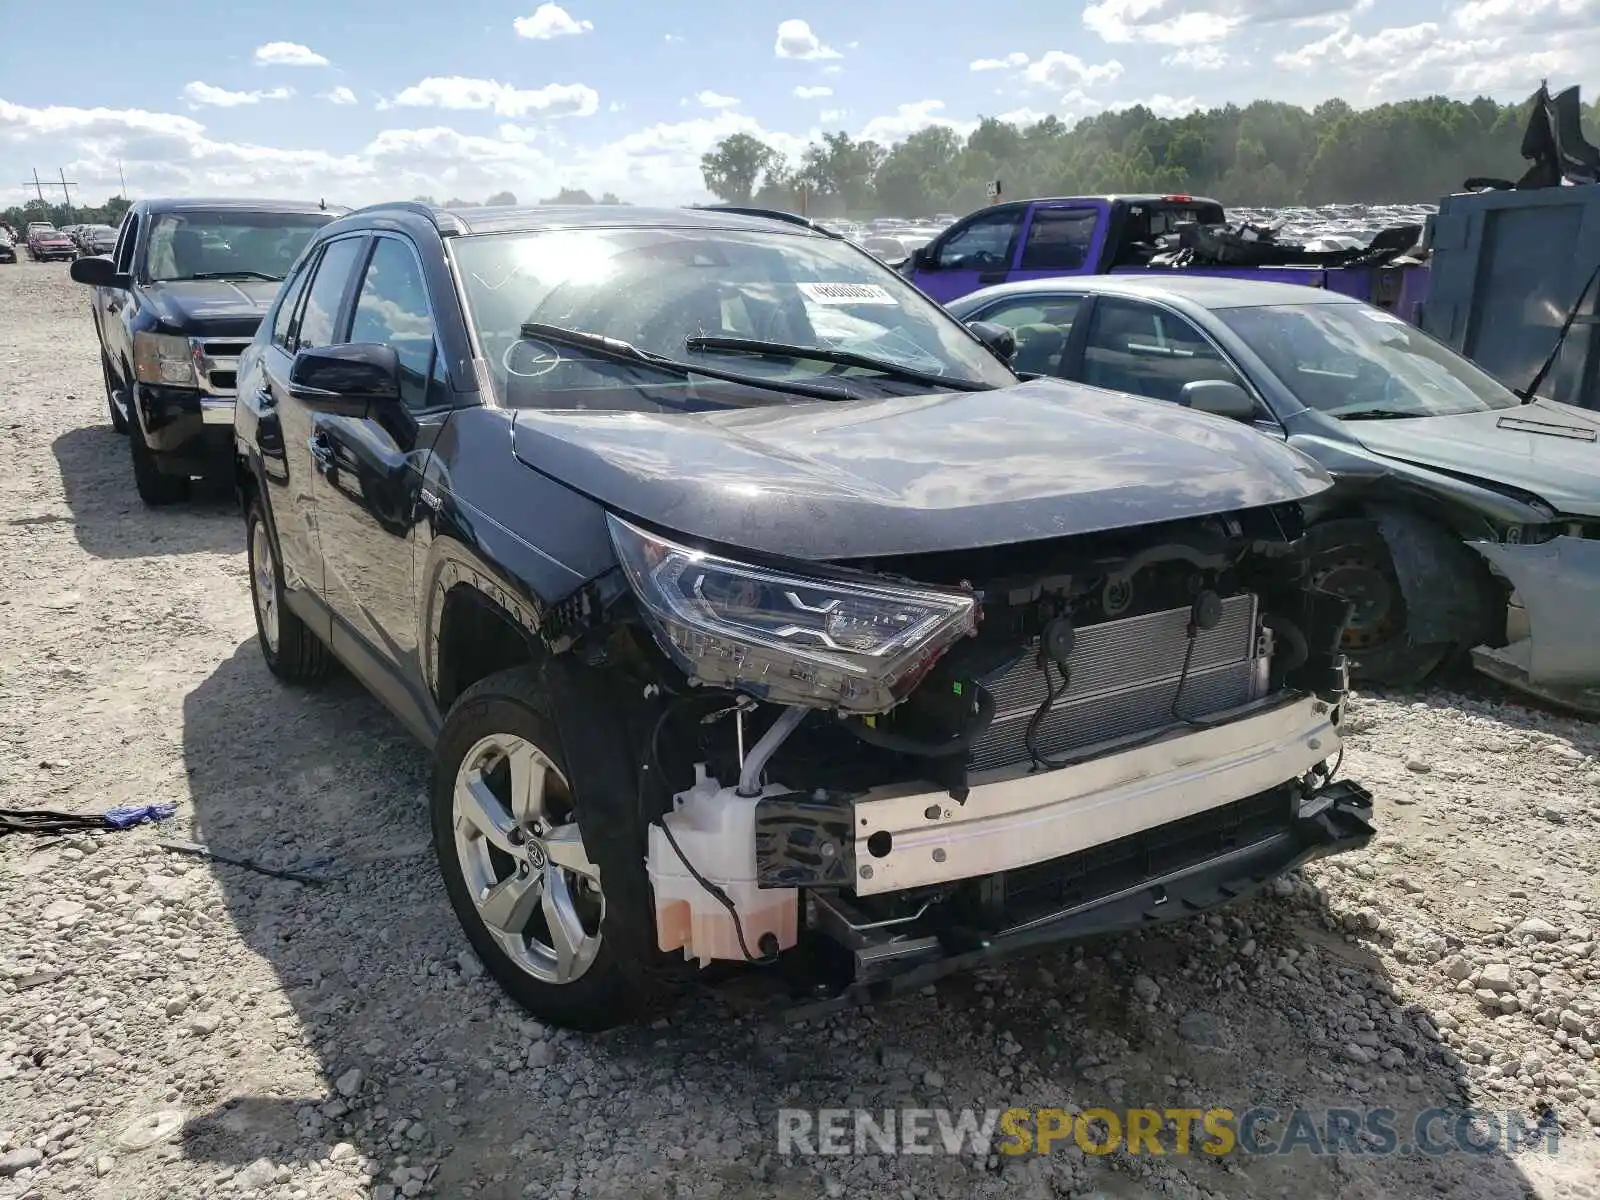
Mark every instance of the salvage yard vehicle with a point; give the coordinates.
(754, 611)
(48, 244)
(174, 303)
(8, 250)
(1465, 519)
(95, 239)
(1074, 236)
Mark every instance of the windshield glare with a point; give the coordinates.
(1344, 359)
(189, 245)
(657, 288)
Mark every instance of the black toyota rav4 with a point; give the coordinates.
(755, 611)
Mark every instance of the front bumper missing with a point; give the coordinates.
(1166, 873)
(1557, 585)
(907, 836)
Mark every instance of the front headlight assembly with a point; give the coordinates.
(852, 645)
(165, 359)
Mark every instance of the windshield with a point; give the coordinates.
(660, 289)
(1352, 360)
(220, 245)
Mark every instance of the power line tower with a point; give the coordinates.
(66, 185)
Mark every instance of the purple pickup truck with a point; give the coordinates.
(1100, 235)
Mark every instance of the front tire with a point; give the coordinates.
(119, 420)
(155, 488)
(524, 882)
(1350, 558)
(292, 652)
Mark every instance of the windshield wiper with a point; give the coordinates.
(236, 275)
(844, 358)
(617, 350)
(1377, 414)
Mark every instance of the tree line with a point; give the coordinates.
(111, 212)
(1263, 154)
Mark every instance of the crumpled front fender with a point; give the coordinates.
(1558, 583)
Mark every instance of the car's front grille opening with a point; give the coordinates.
(1125, 677)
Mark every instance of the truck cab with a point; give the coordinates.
(1103, 235)
(1037, 239)
(173, 305)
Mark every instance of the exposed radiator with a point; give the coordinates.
(1124, 678)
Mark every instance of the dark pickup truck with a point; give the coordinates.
(175, 303)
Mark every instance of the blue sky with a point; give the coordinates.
(358, 100)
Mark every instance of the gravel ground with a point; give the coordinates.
(175, 1027)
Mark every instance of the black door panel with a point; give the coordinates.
(371, 471)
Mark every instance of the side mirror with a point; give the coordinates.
(345, 380)
(919, 259)
(998, 338)
(1220, 397)
(98, 271)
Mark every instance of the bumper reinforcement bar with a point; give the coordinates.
(1336, 819)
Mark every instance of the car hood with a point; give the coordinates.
(903, 475)
(1547, 448)
(211, 306)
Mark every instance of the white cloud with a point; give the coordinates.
(339, 95)
(1503, 16)
(1015, 59)
(795, 40)
(288, 54)
(1122, 21)
(1409, 60)
(812, 92)
(201, 95)
(1161, 104)
(1198, 58)
(675, 37)
(710, 99)
(833, 114)
(1022, 116)
(550, 21)
(907, 119)
(456, 92)
(1062, 71)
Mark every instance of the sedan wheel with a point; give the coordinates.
(1350, 559)
(523, 861)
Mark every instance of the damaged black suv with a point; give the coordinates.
(755, 611)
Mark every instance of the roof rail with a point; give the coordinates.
(776, 214)
(411, 206)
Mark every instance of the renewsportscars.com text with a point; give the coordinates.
(1161, 1131)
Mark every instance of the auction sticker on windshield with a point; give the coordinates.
(846, 293)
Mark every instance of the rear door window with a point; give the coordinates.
(1058, 239)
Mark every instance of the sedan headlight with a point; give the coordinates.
(848, 643)
(165, 359)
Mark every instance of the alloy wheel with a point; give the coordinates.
(523, 860)
(264, 583)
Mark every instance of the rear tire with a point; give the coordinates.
(156, 489)
(1350, 558)
(291, 651)
(506, 719)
